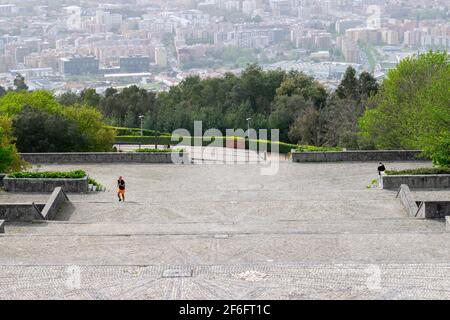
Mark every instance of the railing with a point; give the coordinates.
(420, 207)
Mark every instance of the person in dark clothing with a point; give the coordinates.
(381, 168)
(121, 189)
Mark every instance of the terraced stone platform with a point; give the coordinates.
(311, 231)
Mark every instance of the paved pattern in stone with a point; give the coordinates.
(299, 281)
(310, 231)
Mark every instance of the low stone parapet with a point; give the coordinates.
(28, 212)
(20, 212)
(358, 155)
(407, 200)
(434, 209)
(45, 185)
(57, 199)
(106, 157)
(432, 181)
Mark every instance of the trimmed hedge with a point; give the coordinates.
(164, 140)
(167, 140)
(306, 148)
(153, 150)
(420, 171)
(123, 131)
(76, 174)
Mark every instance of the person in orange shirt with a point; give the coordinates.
(121, 189)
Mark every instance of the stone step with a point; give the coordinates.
(228, 211)
(372, 248)
(214, 229)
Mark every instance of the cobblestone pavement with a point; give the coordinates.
(228, 232)
(318, 281)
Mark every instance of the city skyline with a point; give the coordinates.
(69, 45)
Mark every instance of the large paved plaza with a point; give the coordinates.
(228, 232)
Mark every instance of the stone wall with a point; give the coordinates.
(28, 212)
(436, 181)
(104, 157)
(19, 212)
(434, 209)
(407, 200)
(45, 185)
(360, 155)
(57, 199)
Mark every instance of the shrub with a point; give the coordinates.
(76, 174)
(420, 171)
(95, 183)
(306, 148)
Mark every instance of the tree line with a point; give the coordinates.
(408, 110)
(300, 107)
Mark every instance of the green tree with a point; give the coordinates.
(13, 102)
(69, 98)
(349, 86)
(81, 120)
(10, 159)
(19, 83)
(341, 122)
(90, 97)
(411, 109)
(286, 109)
(40, 131)
(90, 123)
(368, 85)
(130, 103)
(308, 128)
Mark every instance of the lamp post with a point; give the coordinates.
(248, 127)
(142, 124)
(142, 128)
(248, 138)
